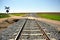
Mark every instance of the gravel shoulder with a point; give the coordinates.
(57, 23)
(5, 22)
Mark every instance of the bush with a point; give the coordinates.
(3, 15)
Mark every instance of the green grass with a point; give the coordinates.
(50, 16)
(17, 14)
(3, 15)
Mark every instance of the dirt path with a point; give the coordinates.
(12, 17)
(4, 24)
(50, 21)
(41, 19)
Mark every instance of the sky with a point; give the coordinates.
(30, 5)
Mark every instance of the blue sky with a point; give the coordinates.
(30, 5)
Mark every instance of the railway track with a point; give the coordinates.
(32, 30)
(29, 29)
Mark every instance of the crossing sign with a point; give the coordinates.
(7, 9)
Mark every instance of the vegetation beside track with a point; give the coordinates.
(4, 15)
(17, 14)
(52, 16)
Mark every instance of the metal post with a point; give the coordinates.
(7, 9)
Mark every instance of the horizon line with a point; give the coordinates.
(31, 12)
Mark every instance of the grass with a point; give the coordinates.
(50, 16)
(3, 15)
(17, 14)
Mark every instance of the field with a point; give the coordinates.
(3, 15)
(53, 16)
(17, 14)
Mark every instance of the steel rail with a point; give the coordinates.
(17, 38)
(44, 33)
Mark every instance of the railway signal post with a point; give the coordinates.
(7, 9)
